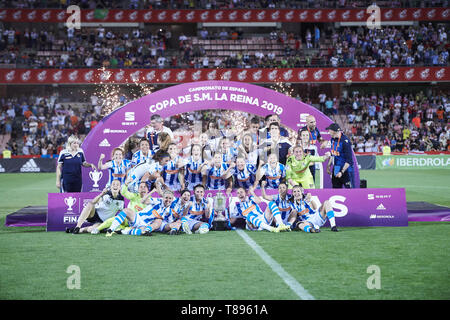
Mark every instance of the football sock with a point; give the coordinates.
(265, 226)
(204, 228)
(258, 222)
(121, 216)
(135, 232)
(106, 224)
(330, 216)
(307, 228)
(275, 212)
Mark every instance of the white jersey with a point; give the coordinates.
(138, 172)
(155, 210)
(108, 206)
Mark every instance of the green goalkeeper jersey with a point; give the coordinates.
(298, 169)
(135, 199)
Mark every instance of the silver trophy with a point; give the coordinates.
(219, 207)
(70, 201)
(95, 176)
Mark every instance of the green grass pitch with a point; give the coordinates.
(413, 260)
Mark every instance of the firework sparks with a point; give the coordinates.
(114, 96)
(284, 88)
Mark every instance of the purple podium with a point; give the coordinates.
(352, 207)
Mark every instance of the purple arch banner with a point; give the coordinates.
(115, 128)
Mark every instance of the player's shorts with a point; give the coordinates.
(163, 225)
(316, 219)
(312, 169)
(95, 218)
(191, 222)
(141, 220)
(306, 182)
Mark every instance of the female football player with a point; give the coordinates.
(100, 209)
(118, 166)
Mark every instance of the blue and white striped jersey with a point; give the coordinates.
(140, 157)
(303, 209)
(215, 180)
(284, 205)
(192, 173)
(118, 171)
(179, 208)
(156, 211)
(244, 178)
(170, 174)
(230, 155)
(138, 172)
(197, 209)
(273, 175)
(244, 208)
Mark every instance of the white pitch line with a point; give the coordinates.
(298, 289)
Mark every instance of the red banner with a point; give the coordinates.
(226, 15)
(255, 75)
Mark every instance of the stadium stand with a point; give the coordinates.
(422, 45)
(37, 124)
(221, 4)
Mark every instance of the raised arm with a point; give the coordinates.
(256, 198)
(97, 198)
(263, 191)
(259, 174)
(100, 164)
(227, 172)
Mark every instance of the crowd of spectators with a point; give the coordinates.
(87, 47)
(41, 125)
(404, 121)
(219, 4)
(389, 46)
(421, 45)
(99, 47)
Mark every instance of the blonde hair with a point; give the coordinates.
(72, 139)
(168, 191)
